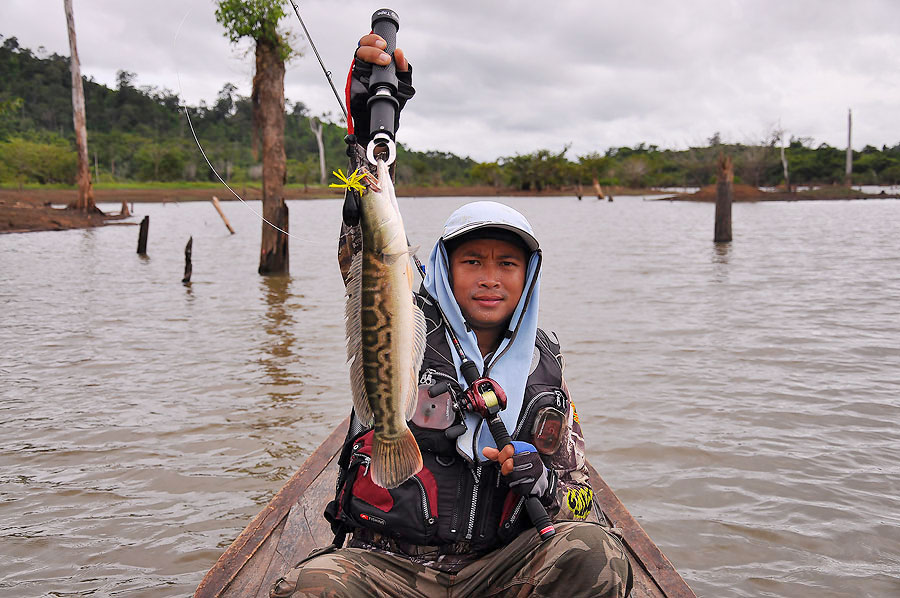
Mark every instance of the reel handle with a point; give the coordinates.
(383, 105)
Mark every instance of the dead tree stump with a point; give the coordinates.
(188, 268)
(597, 188)
(215, 201)
(142, 236)
(724, 196)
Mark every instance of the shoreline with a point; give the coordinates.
(749, 194)
(31, 210)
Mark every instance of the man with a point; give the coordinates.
(459, 527)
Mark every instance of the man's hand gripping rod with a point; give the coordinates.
(383, 104)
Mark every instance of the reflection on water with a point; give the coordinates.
(741, 398)
(277, 353)
(721, 252)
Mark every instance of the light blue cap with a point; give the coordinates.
(488, 214)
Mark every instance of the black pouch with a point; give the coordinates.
(408, 512)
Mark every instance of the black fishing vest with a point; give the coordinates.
(452, 503)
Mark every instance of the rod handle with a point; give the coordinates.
(386, 23)
(536, 511)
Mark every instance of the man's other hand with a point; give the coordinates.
(524, 471)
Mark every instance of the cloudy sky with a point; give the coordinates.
(496, 78)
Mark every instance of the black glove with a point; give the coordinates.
(359, 97)
(529, 477)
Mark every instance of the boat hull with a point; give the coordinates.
(292, 525)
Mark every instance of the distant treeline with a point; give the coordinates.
(141, 134)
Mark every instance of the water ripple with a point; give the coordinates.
(741, 399)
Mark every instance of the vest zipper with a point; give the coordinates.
(527, 412)
(454, 524)
(365, 460)
(515, 514)
(425, 510)
(429, 374)
(476, 473)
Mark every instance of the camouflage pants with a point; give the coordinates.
(582, 560)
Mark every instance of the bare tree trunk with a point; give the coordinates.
(268, 106)
(848, 171)
(85, 201)
(597, 188)
(215, 201)
(315, 126)
(784, 167)
(724, 195)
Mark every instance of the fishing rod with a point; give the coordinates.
(321, 63)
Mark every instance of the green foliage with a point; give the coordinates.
(30, 161)
(256, 19)
(140, 134)
(538, 170)
(432, 168)
(9, 110)
(303, 171)
(487, 173)
(159, 162)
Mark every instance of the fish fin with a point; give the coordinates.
(396, 460)
(389, 259)
(353, 323)
(419, 335)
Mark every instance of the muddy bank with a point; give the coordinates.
(748, 193)
(26, 212)
(32, 209)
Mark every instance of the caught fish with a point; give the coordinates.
(385, 335)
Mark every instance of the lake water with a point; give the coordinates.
(742, 400)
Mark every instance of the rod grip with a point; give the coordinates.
(498, 431)
(385, 23)
(539, 518)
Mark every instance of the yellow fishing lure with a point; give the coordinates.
(354, 181)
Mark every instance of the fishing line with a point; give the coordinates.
(203, 153)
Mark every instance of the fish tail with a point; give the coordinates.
(395, 460)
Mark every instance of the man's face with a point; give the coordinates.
(488, 280)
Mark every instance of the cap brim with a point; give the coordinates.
(529, 240)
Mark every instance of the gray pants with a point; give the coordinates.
(581, 560)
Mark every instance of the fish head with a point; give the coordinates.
(382, 225)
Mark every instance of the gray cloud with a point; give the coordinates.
(499, 78)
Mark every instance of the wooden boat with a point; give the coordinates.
(292, 525)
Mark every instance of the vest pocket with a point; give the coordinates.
(408, 512)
